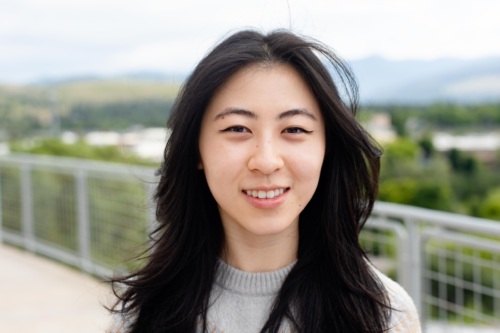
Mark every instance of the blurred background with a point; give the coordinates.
(95, 80)
(105, 73)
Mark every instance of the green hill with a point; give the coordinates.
(83, 105)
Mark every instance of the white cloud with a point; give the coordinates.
(127, 35)
(169, 56)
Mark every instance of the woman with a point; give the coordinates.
(266, 183)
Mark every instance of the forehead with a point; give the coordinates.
(259, 87)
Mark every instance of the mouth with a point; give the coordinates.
(261, 194)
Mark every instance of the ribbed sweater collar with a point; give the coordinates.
(264, 283)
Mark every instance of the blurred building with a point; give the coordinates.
(485, 146)
(380, 127)
(144, 142)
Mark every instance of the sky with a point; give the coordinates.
(52, 39)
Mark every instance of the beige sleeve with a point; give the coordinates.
(118, 324)
(404, 316)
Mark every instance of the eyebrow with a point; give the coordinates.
(252, 115)
(241, 112)
(296, 112)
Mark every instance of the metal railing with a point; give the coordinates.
(448, 263)
(87, 214)
(96, 215)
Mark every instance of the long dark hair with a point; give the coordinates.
(331, 287)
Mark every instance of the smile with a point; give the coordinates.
(266, 194)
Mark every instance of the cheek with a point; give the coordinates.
(212, 170)
(215, 183)
(221, 167)
(308, 164)
(217, 156)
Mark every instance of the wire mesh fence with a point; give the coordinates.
(449, 263)
(462, 276)
(10, 196)
(96, 216)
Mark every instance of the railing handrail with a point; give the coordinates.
(73, 163)
(438, 218)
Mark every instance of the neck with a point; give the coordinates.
(261, 253)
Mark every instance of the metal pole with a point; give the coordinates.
(83, 221)
(1, 211)
(28, 230)
(414, 251)
(152, 222)
(404, 269)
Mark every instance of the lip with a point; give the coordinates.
(266, 203)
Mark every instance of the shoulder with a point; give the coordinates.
(404, 316)
(118, 324)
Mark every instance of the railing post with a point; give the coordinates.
(404, 273)
(1, 211)
(83, 221)
(152, 223)
(415, 263)
(425, 236)
(28, 230)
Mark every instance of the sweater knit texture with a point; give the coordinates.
(240, 302)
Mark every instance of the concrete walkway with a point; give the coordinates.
(40, 296)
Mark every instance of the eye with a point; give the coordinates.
(236, 129)
(295, 130)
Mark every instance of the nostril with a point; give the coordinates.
(265, 160)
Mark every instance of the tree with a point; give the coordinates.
(490, 208)
(427, 146)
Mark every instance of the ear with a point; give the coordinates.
(200, 165)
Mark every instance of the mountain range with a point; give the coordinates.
(383, 81)
(422, 82)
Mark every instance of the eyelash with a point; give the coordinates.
(296, 130)
(236, 129)
(289, 130)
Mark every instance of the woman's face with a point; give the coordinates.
(262, 145)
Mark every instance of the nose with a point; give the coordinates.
(266, 157)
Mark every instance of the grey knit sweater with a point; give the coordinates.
(240, 302)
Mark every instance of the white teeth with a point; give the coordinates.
(265, 194)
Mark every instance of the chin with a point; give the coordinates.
(270, 228)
